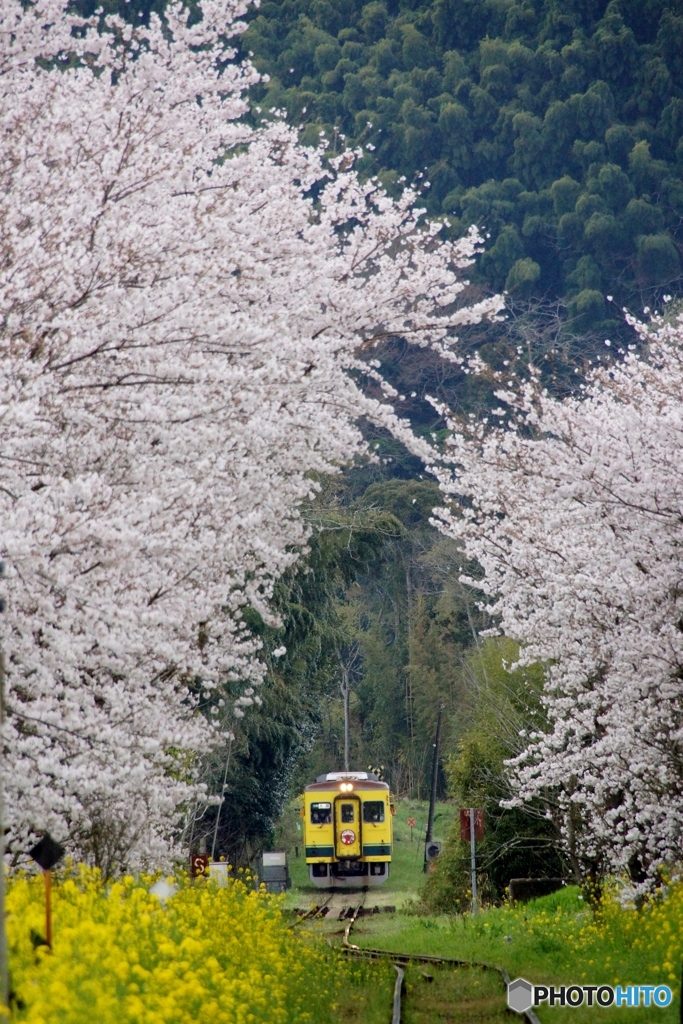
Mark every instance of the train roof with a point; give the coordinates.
(352, 776)
(364, 781)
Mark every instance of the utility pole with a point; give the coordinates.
(220, 806)
(348, 663)
(4, 966)
(435, 780)
(473, 862)
(346, 694)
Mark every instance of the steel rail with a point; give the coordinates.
(349, 925)
(398, 988)
(403, 959)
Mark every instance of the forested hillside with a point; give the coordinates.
(555, 126)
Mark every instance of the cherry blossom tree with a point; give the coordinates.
(573, 509)
(183, 300)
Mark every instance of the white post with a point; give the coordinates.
(473, 862)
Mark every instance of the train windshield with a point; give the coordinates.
(321, 814)
(373, 810)
(347, 814)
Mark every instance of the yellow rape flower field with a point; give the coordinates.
(226, 954)
(617, 942)
(209, 953)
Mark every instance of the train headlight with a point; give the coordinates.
(346, 787)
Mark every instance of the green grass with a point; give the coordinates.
(447, 996)
(556, 940)
(431, 995)
(367, 993)
(407, 875)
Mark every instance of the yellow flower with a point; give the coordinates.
(223, 954)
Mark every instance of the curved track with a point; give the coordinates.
(401, 960)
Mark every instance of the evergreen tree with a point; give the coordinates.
(558, 130)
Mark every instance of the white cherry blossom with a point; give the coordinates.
(574, 509)
(182, 298)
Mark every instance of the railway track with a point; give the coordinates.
(317, 910)
(351, 920)
(348, 908)
(403, 960)
(335, 904)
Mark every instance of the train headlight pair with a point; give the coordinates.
(346, 787)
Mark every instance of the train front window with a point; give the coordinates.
(321, 814)
(373, 810)
(347, 814)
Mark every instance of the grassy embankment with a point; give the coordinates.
(556, 940)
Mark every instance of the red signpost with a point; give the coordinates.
(465, 825)
(411, 825)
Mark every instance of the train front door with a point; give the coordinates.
(347, 837)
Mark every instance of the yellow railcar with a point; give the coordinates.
(347, 830)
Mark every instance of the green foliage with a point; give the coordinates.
(518, 842)
(657, 258)
(523, 276)
(587, 308)
(272, 738)
(558, 131)
(412, 622)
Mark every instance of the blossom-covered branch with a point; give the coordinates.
(181, 300)
(573, 509)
